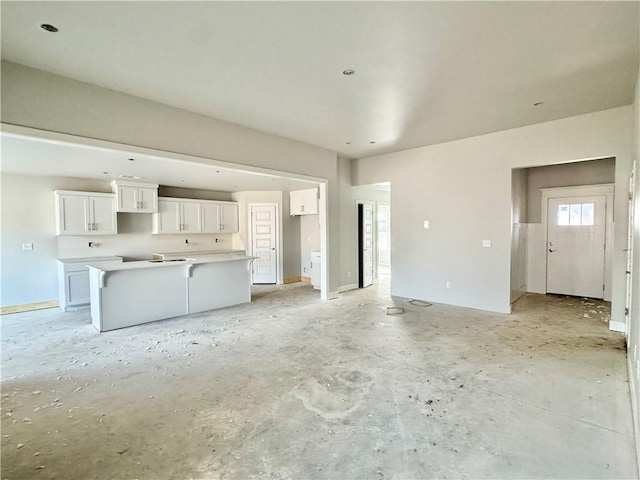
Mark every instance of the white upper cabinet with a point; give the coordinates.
(303, 202)
(229, 218)
(183, 215)
(136, 197)
(85, 213)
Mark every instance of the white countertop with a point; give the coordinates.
(192, 254)
(151, 264)
(90, 259)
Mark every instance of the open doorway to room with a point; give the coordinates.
(373, 217)
(562, 229)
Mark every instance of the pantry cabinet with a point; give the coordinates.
(85, 213)
(135, 197)
(303, 202)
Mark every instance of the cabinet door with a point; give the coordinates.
(103, 215)
(190, 218)
(310, 201)
(210, 218)
(73, 215)
(77, 290)
(228, 218)
(295, 203)
(167, 220)
(147, 200)
(127, 201)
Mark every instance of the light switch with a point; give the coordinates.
(27, 246)
(486, 243)
(426, 224)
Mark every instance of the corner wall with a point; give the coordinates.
(464, 189)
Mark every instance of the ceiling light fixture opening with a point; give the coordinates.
(131, 159)
(348, 143)
(105, 173)
(348, 71)
(372, 142)
(49, 28)
(537, 104)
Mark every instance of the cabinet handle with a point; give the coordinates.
(89, 227)
(95, 226)
(302, 208)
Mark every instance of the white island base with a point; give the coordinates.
(133, 293)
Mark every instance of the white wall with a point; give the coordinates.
(28, 215)
(593, 172)
(519, 243)
(36, 99)
(464, 189)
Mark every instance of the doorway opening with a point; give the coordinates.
(384, 240)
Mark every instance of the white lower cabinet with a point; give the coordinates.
(73, 280)
(195, 216)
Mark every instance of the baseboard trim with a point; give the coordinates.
(617, 327)
(634, 405)
(305, 279)
(28, 307)
(346, 288)
(292, 280)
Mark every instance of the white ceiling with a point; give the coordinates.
(426, 72)
(28, 155)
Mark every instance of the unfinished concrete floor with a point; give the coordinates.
(292, 387)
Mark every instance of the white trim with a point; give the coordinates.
(346, 288)
(332, 295)
(279, 277)
(577, 191)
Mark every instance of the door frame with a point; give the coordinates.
(375, 240)
(628, 306)
(606, 190)
(279, 279)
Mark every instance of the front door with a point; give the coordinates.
(263, 243)
(576, 246)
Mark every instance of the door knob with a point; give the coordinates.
(551, 250)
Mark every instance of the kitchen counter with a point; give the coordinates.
(192, 254)
(132, 293)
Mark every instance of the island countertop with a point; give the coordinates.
(144, 264)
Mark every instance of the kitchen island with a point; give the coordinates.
(132, 293)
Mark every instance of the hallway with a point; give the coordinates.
(293, 387)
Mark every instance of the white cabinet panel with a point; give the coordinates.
(136, 197)
(77, 288)
(190, 217)
(85, 213)
(210, 218)
(303, 202)
(228, 218)
(167, 220)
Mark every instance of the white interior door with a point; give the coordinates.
(263, 243)
(366, 254)
(576, 246)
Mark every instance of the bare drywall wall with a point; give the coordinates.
(464, 189)
(519, 180)
(592, 172)
(309, 241)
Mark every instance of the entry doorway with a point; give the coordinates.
(264, 242)
(578, 223)
(576, 246)
(366, 251)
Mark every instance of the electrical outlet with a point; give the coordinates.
(348, 274)
(27, 246)
(448, 284)
(305, 270)
(486, 243)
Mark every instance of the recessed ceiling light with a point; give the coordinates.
(273, 179)
(348, 71)
(105, 173)
(182, 181)
(131, 159)
(537, 104)
(235, 186)
(217, 171)
(348, 143)
(48, 28)
(372, 142)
